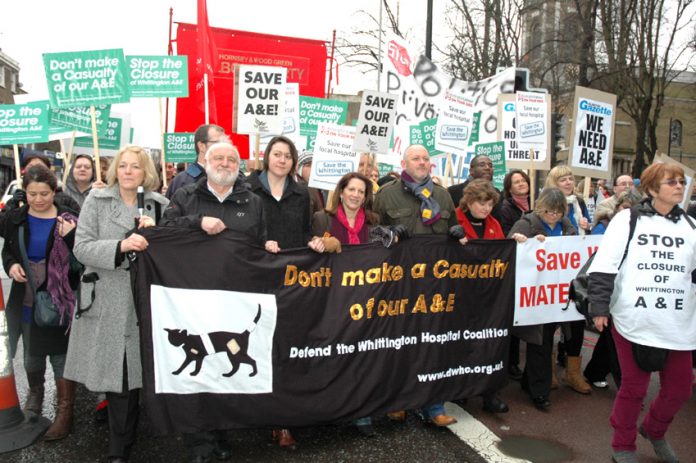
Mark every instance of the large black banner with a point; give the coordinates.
(233, 336)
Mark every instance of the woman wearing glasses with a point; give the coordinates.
(548, 219)
(653, 310)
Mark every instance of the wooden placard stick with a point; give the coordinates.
(95, 142)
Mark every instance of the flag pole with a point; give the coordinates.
(205, 92)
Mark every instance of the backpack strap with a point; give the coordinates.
(631, 230)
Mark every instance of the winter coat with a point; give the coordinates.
(107, 333)
(42, 340)
(396, 205)
(491, 227)
(191, 175)
(241, 211)
(287, 221)
(509, 214)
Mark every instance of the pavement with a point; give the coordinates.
(575, 429)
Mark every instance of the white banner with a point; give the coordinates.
(420, 86)
(333, 155)
(543, 275)
(375, 122)
(260, 99)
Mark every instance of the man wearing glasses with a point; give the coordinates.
(205, 136)
(623, 182)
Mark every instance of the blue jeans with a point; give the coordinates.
(431, 411)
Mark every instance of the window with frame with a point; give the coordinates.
(2, 76)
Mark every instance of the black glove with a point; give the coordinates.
(401, 231)
(19, 195)
(382, 235)
(456, 232)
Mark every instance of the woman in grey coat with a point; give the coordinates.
(104, 348)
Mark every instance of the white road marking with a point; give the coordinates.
(477, 436)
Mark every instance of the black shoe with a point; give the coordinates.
(366, 430)
(541, 402)
(495, 405)
(515, 373)
(200, 459)
(222, 450)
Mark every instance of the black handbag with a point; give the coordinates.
(649, 358)
(46, 314)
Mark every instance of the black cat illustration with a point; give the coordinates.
(235, 345)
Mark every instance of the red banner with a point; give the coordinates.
(304, 58)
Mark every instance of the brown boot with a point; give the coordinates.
(64, 416)
(573, 376)
(35, 397)
(285, 439)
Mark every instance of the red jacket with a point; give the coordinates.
(492, 231)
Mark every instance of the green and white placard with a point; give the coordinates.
(78, 118)
(179, 147)
(24, 123)
(110, 140)
(86, 78)
(496, 153)
(158, 76)
(315, 111)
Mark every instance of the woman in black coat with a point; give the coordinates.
(287, 210)
(48, 231)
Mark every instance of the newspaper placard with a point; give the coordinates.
(158, 76)
(454, 123)
(259, 99)
(24, 123)
(543, 275)
(515, 157)
(179, 147)
(86, 78)
(592, 135)
(333, 155)
(375, 122)
(532, 116)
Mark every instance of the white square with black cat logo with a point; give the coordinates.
(212, 341)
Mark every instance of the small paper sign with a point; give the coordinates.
(375, 122)
(333, 155)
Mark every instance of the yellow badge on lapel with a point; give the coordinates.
(427, 213)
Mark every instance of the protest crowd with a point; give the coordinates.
(88, 228)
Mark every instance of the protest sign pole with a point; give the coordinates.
(205, 93)
(586, 188)
(164, 166)
(67, 156)
(18, 169)
(532, 179)
(95, 142)
(449, 170)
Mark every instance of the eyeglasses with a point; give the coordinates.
(673, 182)
(553, 212)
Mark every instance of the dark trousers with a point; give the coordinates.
(124, 408)
(537, 371)
(604, 360)
(202, 443)
(514, 354)
(573, 344)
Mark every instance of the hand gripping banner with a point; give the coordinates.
(233, 336)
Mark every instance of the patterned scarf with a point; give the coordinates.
(429, 208)
(353, 232)
(575, 213)
(58, 285)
